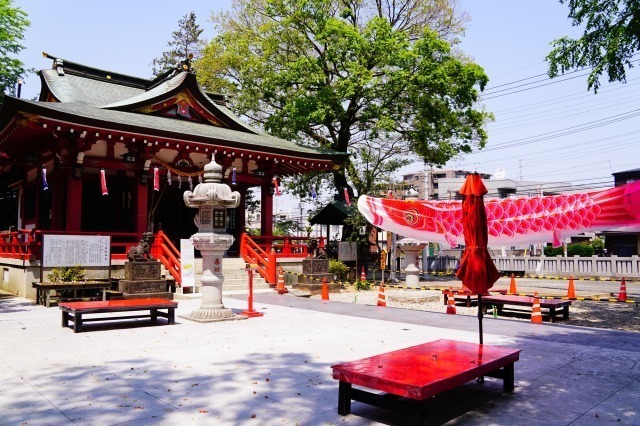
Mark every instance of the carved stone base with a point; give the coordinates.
(316, 287)
(142, 270)
(160, 295)
(212, 315)
(142, 286)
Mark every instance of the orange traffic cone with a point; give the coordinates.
(512, 285)
(571, 291)
(382, 300)
(325, 289)
(622, 296)
(536, 313)
(363, 275)
(451, 303)
(280, 288)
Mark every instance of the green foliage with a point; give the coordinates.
(186, 41)
(287, 228)
(610, 41)
(381, 83)
(13, 24)
(252, 232)
(553, 251)
(598, 244)
(579, 249)
(338, 268)
(363, 285)
(70, 274)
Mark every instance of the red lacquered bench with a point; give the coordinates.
(420, 372)
(75, 311)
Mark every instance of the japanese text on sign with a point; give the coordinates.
(72, 250)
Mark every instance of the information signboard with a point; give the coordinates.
(347, 251)
(187, 263)
(72, 250)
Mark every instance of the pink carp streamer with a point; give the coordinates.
(511, 221)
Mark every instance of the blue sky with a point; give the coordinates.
(508, 38)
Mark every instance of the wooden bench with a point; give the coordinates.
(75, 311)
(44, 296)
(411, 375)
(551, 307)
(465, 292)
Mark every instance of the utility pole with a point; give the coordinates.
(520, 167)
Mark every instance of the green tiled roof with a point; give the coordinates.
(160, 127)
(159, 90)
(73, 88)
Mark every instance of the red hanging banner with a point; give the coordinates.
(346, 197)
(156, 179)
(103, 182)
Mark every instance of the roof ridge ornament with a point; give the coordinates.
(186, 64)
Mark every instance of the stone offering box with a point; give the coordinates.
(313, 272)
(143, 280)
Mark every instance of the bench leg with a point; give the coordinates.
(344, 398)
(565, 312)
(47, 297)
(171, 315)
(65, 319)
(508, 379)
(417, 414)
(154, 314)
(77, 323)
(552, 314)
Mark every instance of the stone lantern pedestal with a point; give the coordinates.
(212, 198)
(411, 249)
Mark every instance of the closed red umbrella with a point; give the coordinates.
(477, 271)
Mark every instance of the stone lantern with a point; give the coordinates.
(212, 198)
(411, 249)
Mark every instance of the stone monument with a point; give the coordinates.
(315, 268)
(212, 198)
(142, 277)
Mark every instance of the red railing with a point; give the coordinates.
(27, 244)
(164, 250)
(262, 260)
(19, 244)
(263, 251)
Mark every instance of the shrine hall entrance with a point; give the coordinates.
(114, 212)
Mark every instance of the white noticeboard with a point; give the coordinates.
(72, 250)
(187, 264)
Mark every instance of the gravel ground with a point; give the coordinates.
(618, 316)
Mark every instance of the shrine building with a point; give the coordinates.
(105, 152)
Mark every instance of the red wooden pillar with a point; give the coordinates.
(142, 200)
(266, 209)
(74, 204)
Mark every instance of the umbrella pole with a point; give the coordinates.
(480, 317)
(481, 378)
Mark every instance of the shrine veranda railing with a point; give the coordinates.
(26, 244)
(262, 252)
(23, 244)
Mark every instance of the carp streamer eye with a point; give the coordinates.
(411, 216)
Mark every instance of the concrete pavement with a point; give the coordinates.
(275, 369)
